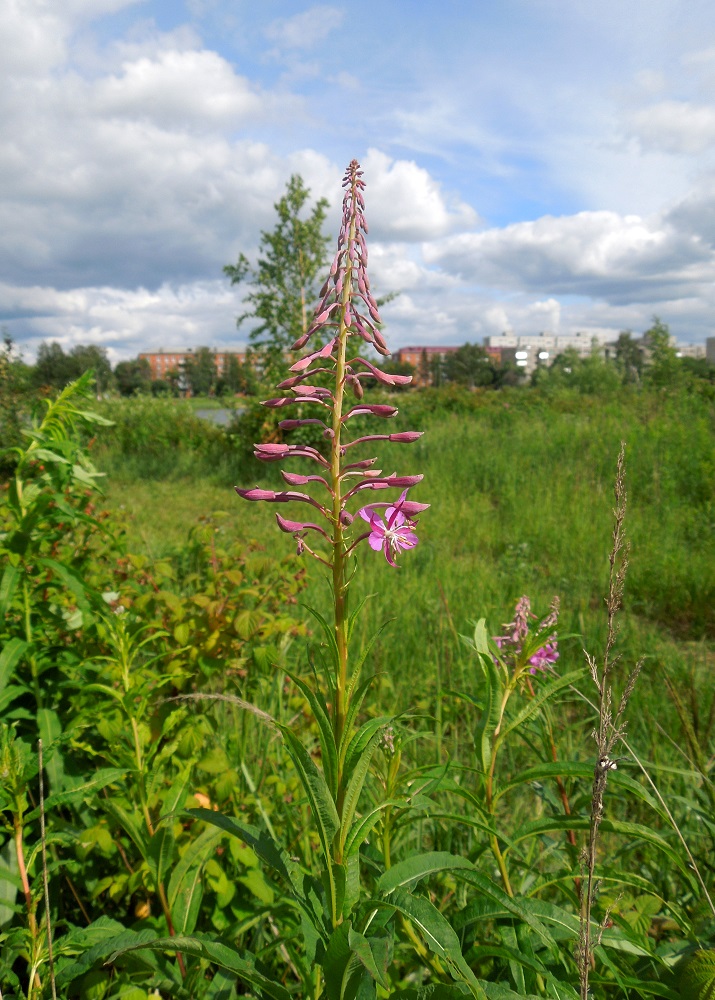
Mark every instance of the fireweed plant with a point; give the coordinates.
(362, 906)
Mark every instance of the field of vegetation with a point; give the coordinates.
(152, 619)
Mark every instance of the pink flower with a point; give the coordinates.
(393, 534)
(544, 658)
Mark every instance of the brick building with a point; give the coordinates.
(162, 362)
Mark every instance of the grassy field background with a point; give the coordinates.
(521, 491)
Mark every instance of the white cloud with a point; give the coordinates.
(307, 29)
(676, 127)
(601, 254)
(195, 89)
(406, 203)
(125, 321)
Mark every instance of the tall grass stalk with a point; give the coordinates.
(611, 726)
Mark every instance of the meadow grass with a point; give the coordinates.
(521, 492)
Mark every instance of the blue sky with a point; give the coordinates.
(530, 164)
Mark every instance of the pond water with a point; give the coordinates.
(220, 417)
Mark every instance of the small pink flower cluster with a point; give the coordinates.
(347, 308)
(516, 641)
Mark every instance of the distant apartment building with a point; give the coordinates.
(162, 362)
(529, 350)
(693, 350)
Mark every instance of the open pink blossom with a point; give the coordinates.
(544, 658)
(393, 534)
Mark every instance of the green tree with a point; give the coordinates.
(53, 368)
(469, 366)
(133, 377)
(237, 377)
(14, 396)
(664, 369)
(284, 283)
(89, 357)
(436, 371)
(629, 357)
(200, 372)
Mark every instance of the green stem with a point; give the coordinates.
(489, 795)
(339, 583)
(32, 658)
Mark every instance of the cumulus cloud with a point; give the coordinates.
(194, 89)
(407, 203)
(124, 321)
(676, 127)
(601, 254)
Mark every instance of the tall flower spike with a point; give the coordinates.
(347, 308)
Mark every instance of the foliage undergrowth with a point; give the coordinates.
(134, 637)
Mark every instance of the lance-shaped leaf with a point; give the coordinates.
(217, 953)
(322, 805)
(438, 935)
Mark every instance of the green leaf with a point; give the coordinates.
(45, 455)
(412, 870)
(481, 638)
(329, 633)
(437, 933)
(9, 882)
(355, 745)
(544, 693)
(50, 729)
(362, 947)
(518, 906)
(435, 991)
(325, 730)
(321, 801)
(8, 585)
(489, 719)
(217, 953)
(359, 660)
(364, 825)
(87, 789)
(10, 656)
(160, 852)
(355, 785)
(259, 841)
(633, 831)
(185, 890)
(337, 962)
(354, 615)
(127, 822)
